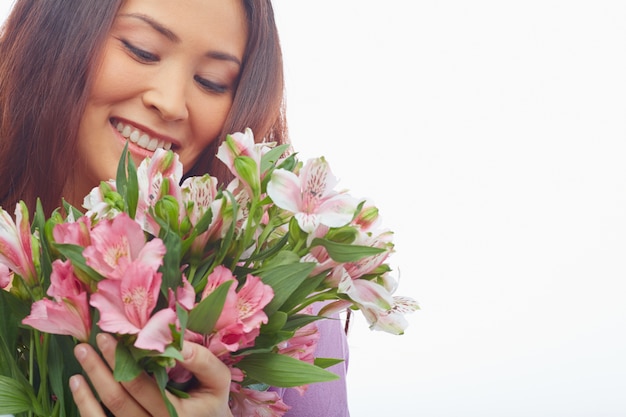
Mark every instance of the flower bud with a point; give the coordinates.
(167, 209)
(367, 217)
(344, 234)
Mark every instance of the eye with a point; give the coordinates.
(210, 85)
(138, 53)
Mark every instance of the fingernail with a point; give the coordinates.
(102, 340)
(74, 383)
(187, 351)
(80, 352)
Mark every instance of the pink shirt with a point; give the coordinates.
(327, 399)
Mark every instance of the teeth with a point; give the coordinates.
(152, 145)
(142, 139)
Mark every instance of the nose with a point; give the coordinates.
(167, 94)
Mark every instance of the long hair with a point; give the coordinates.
(49, 50)
(259, 98)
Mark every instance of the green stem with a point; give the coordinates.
(192, 272)
(31, 363)
(43, 371)
(248, 233)
(322, 296)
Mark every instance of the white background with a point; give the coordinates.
(492, 135)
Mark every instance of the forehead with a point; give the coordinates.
(206, 24)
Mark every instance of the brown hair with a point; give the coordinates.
(48, 51)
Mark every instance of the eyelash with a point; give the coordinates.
(148, 58)
(140, 54)
(210, 86)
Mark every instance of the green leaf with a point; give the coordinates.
(282, 371)
(289, 163)
(172, 277)
(275, 248)
(120, 177)
(15, 397)
(228, 212)
(327, 362)
(297, 321)
(172, 352)
(126, 367)
(160, 375)
(275, 323)
(270, 158)
(39, 223)
(305, 289)
(75, 254)
(284, 279)
(61, 366)
(203, 317)
(12, 312)
(183, 318)
(205, 221)
(132, 188)
(342, 252)
(71, 210)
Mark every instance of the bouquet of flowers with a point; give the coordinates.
(155, 262)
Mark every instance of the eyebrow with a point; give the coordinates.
(174, 38)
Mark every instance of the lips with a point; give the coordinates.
(139, 137)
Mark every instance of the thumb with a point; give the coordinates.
(212, 374)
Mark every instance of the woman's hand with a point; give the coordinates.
(141, 396)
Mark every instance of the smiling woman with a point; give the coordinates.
(80, 81)
(183, 86)
(178, 85)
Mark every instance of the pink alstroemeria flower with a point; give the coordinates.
(240, 144)
(243, 309)
(118, 242)
(391, 320)
(199, 196)
(363, 292)
(97, 206)
(158, 176)
(245, 402)
(68, 313)
(62, 317)
(126, 307)
(184, 295)
(382, 310)
(15, 244)
(242, 315)
(75, 233)
(368, 264)
(311, 196)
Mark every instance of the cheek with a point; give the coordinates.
(209, 123)
(108, 85)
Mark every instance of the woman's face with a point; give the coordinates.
(167, 79)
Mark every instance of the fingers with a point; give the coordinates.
(84, 398)
(210, 372)
(142, 389)
(211, 395)
(111, 393)
(141, 397)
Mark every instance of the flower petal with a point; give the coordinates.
(285, 190)
(66, 318)
(156, 334)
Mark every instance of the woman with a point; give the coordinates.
(80, 79)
